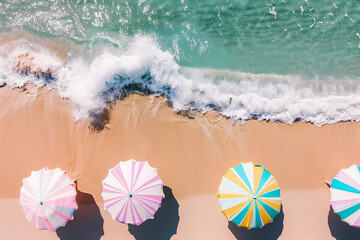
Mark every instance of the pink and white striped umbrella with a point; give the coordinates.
(132, 192)
(48, 198)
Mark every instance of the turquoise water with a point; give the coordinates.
(274, 52)
(311, 38)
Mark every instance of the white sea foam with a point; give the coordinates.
(91, 83)
(23, 64)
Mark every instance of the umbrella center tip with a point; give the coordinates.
(254, 197)
(130, 195)
(41, 203)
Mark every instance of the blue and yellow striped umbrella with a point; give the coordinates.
(249, 195)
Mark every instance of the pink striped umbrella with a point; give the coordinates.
(132, 192)
(48, 198)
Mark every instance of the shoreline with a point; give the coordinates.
(37, 130)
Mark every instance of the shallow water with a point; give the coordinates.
(268, 60)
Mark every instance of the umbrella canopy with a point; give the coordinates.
(249, 195)
(132, 192)
(345, 195)
(48, 198)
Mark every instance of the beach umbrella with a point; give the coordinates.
(132, 192)
(48, 198)
(249, 195)
(345, 195)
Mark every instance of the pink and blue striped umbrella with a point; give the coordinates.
(132, 192)
(48, 198)
(345, 195)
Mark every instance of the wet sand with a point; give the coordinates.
(37, 129)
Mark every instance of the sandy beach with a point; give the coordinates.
(37, 129)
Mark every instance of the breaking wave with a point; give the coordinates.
(105, 74)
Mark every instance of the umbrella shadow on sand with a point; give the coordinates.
(270, 231)
(341, 230)
(165, 222)
(87, 223)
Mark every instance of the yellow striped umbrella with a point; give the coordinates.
(249, 195)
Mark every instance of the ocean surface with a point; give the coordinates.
(274, 60)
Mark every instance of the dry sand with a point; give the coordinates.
(37, 130)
